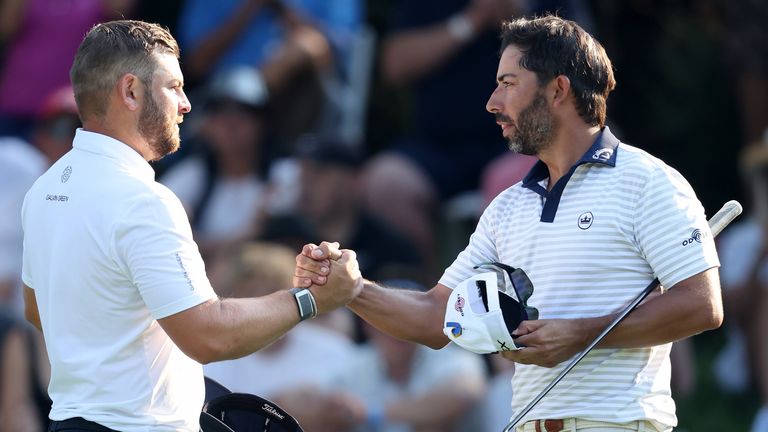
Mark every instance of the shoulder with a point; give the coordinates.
(638, 166)
(636, 160)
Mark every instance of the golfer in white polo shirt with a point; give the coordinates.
(112, 276)
(591, 225)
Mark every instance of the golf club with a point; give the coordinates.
(717, 223)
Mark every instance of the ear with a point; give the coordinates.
(130, 90)
(561, 89)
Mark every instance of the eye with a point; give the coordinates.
(506, 84)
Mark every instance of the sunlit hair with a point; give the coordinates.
(109, 51)
(553, 46)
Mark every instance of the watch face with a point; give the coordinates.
(304, 300)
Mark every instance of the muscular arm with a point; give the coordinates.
(410, 315)
(230, 328)
(690, 307)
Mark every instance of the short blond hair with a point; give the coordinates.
(109, 51)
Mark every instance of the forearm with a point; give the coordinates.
(689, 308)
(409, 315)
(412, 54)
(230, 328)
(253, 323)
(213, 47)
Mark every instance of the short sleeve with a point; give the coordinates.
(481, 248)
(671, 228)
(154, 246)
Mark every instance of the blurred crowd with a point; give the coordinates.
(364, 122)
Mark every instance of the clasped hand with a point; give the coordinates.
(332, 274)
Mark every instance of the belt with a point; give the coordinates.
(557, 425)
(78, 423)
(549, 425)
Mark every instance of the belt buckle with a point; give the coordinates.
(556, 425)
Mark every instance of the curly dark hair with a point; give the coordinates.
(553, 46)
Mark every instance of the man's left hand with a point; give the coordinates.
(549, 342)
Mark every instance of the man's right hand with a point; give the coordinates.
(342, 281)
(314, 263)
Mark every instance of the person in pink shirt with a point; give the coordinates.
(38, 39)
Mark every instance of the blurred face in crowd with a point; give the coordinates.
(326, 189)
(165, 106)
(233, 128)
(520, 107)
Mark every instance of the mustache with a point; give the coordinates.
(502, 118)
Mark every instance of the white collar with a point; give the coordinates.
(105, 145)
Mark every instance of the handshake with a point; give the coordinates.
(331, 274)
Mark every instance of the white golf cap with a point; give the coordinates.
(475, 315)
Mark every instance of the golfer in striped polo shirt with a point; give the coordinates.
(591, 225)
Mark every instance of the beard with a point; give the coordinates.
(158, 129)
(535, 127)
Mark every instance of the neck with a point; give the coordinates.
(568, 147)
(130, 137)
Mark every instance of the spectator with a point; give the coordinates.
(293, 44)
(331, 201)
(743, 249)
(222, 188)
(20, 165)
(39, 38)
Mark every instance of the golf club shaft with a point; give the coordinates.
(717, 223)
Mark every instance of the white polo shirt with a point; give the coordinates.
(590, 245)
(109, 251)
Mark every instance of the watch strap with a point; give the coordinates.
(305, 301)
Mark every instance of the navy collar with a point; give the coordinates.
(602, 151)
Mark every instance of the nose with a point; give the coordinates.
(493, 105)
(184, 105)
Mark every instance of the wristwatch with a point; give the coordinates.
(306, 303)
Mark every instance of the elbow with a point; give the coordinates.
(207, 350)
(712, 318)
(437, 342)
(201, 355)
(715, 318)
(716, 313)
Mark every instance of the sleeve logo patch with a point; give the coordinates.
(696, 236)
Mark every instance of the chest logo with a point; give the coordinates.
(66, 173)
(585, 220)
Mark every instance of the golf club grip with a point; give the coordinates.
(724, 216)
(717, 223)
